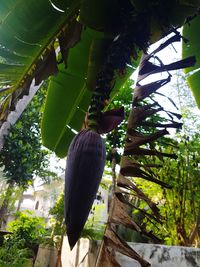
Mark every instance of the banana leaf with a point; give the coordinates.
(192, 47)
(70, 91)
(27, 31)
(68, 98)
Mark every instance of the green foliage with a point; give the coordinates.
(22, 156)
(179, 206)
(13, 255)
(186, 103)
(9, 196)
(94, 228)
(67, 107)
(18, 248)
(57, 213)
(19, 54)
(27, 228)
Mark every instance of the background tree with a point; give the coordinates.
(27, 232)
(23, 156)
(179, 206)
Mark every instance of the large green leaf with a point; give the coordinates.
(27, 32)
(68, 98)
(69, 92)
(27, 28)
(192, 47)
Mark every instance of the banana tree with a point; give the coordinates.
(31, 33)
(89, 48)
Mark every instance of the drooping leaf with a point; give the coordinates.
(142, 91)
(192, 48)
(120, 216)
(126, 183)
(142, 112)
(122, 197)
(134, 169)
(46, 66)
(150, 68)
(136, 139)
(172, 124)
(27, 31)
(129, 150)
(69, 37)
(107, 258)
(114, 241)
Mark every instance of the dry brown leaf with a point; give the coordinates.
(120, 216)
(112, 240)
(120, 194)
(142, 152)
(46, 66)
(136, 139)
(69, 37)
(5, 107)
(138, 114)
(133, 169)
(107, 258)
(173, 124)
(126, 183)
(149, 68)
(143, 91)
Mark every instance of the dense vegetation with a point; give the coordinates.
(108, 38)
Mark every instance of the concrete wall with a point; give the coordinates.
(84, 255)
(78, 256)
(46, 257)
(163, 256)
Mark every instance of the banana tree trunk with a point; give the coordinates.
(139, 146)
(106, 256)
